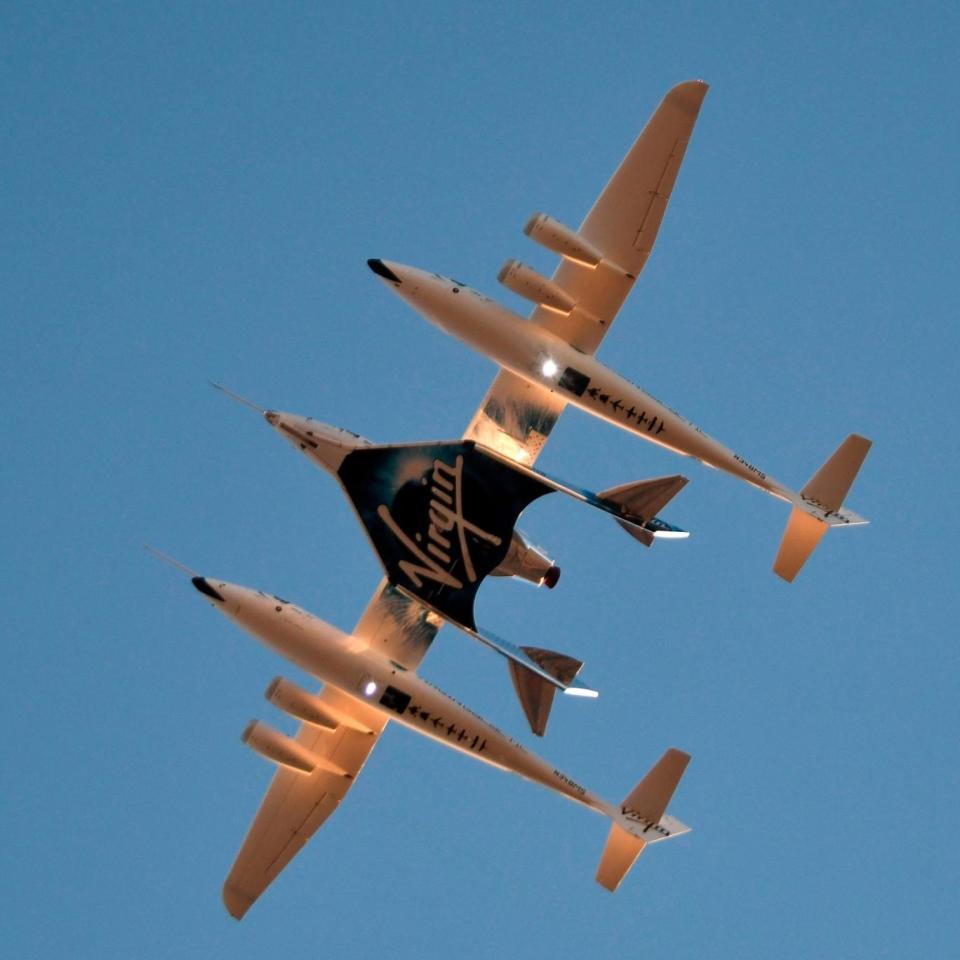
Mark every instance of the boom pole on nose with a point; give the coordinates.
(237, 397)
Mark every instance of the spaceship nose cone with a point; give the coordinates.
(382, 270)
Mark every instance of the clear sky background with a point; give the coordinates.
(190, 192)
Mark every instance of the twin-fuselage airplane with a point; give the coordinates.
(546, 363)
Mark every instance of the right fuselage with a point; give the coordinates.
(545, 360)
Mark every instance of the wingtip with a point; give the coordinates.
(236, 902)
(688, 96)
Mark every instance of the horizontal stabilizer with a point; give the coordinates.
(534, 692)
(642, 819)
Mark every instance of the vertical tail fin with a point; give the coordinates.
(619, 855)
(820, 506)
(640, 503)
(535, 693)
(642, 819)
(804, 531)
(830, 484)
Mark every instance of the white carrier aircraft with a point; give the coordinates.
(364, 689)
(515, 419)
(548, 361)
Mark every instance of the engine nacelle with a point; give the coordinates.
(526, 562)
(559, 238)
(278, 747)
(285, 751)
(296, 702)
(309, 708)
(527, 283)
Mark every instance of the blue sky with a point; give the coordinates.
(190, 192)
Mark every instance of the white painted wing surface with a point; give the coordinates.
(625, 220)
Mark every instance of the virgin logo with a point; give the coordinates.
(433, 552)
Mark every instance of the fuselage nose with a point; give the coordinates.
(226, 596)
(203, 585)
(405, 281)
(383, 271)
(325, 444)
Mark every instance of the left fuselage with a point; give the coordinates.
(540, 357)
(347, 663)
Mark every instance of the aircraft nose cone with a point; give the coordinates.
(201, 584)
(382, 270)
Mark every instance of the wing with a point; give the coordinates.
(296, 805)
(624, 221)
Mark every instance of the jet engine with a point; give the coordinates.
(559, 238)
(309, 708)
(284, 750)
(527, 283)
(526, 562)
(296, 702)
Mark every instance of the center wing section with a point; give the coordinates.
(515, 418)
